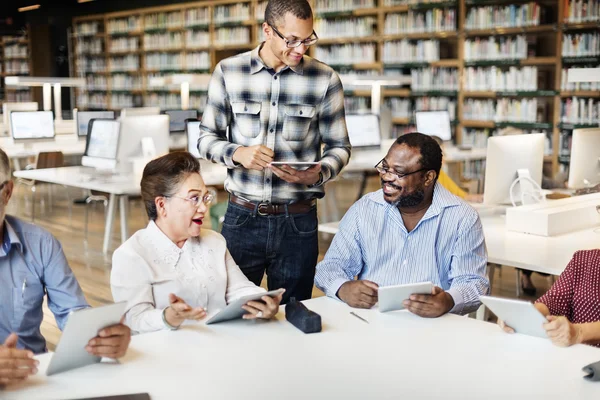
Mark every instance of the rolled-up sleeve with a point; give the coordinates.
(333, 130)
(130, 282)
(343, 260)
(559, 299)
(467, 273)
(213, 144)
(64, 293)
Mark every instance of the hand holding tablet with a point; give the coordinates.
(303, 173)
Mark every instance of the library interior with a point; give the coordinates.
(401, 192)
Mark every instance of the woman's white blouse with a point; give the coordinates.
(149, 266)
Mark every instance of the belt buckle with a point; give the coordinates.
(262, 204)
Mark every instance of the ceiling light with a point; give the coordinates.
(29, 8)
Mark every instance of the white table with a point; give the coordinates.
(118, 187)
(395, 355)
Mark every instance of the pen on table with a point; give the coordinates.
(358, 316)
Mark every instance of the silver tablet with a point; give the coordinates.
(82, 326)
(391, 297)
(234, 309)
(520, 315)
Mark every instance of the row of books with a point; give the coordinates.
(436, 104)
(259, 10)
(401, 108)
(581, 44)
(122, 44)
(123, 101)
(404, 51)
(163, 41)
(346, 53)
(496, 48)
(96, 82)
(504, 110)
(410, 2)
(322, 6)
(238, 35)
(124, 25)
(476, 138)
(434, 79)
(565, 85)
(87, 28)
(163, 20)
(125, 82)
(231, 13)
(197, 39)
(582, 11)
(197, 60)
(15, 50)
(197, 16)
(354, 105)
(435, 20)
(92, 100)
(125, 63)
(580, 111)
(345, 27)
(499, 79)
(19, 96)
(87, 64)
(513, 15)
(164, 61)
(564, 143)
(90, 46)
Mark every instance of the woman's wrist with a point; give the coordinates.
(169, 318)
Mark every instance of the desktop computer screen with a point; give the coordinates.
(434, 123)
(26, 125)
(9, 107)
(84, 117)
(584, 166)
(192, 130)
(102, 144)
(177, 119)
(142, 135)
(363, 130)
(139, 111)
(509, 157)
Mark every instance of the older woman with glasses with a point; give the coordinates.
(173, 271)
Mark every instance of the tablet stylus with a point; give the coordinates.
(359, 317)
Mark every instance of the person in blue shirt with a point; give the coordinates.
(412, 230)
(33, 265)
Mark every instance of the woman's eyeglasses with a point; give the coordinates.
(197, 200)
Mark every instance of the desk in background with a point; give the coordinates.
(395, 355)
(119, 188)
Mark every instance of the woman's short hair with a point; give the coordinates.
(164, 175)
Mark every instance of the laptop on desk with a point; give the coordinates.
(364, 131)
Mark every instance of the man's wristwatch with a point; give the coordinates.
(319, 182)
(167, 324)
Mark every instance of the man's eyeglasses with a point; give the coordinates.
(296, 43)
(197, 200)
(385, 170)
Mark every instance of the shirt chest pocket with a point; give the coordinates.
(297, 121)
(247, 117)
(27, 302)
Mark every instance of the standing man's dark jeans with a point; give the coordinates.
(285, 246)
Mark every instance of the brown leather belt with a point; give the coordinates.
(299, 207)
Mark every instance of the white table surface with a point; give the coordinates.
(396, 355)
(119, 187)
(520, 250)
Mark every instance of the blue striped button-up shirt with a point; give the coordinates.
(32, 265)
(293, 112)
(447, 247)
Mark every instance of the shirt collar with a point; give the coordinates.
(9, 238)
(165, 251)
(257, 64)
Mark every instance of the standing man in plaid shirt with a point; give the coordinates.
(274, 103)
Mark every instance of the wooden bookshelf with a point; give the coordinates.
(15, 94)
(545, 53)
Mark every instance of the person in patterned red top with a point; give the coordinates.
(572, 305)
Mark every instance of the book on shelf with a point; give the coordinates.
(433, 78)
(581, 44)
(197, 16)
(346, 53)
(436, 20)
(332, 6)
(231, 13)
(506, 16)
(578, 11)
(230, 36)
(124, 25)
(496, 48)
(498, 79)
(404, 51)
(577, 110)
(572, 86)
(345, 27)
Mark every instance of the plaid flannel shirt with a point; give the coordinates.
(293, 112)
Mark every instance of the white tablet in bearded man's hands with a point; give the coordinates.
(390, 298)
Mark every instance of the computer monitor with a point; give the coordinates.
(192, 131)
(102, 144)
(434, 123)
(584, 168)
(8, 107)
(84, 117)
(177, 119)
(139, 111)
(29, 126)
(363, 130)
(138, 134)
(510, 157)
